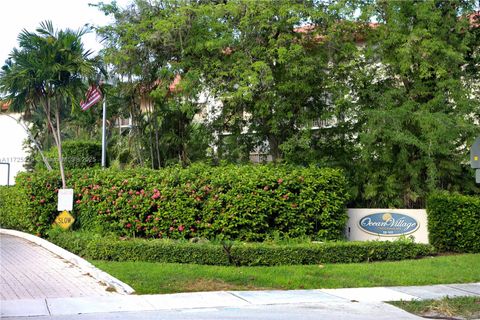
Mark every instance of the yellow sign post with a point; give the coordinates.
(64, 220)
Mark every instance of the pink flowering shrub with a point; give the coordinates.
(250, 202)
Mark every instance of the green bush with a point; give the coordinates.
(37, 198)
(241, 254)
(454, 222)
(248, 203)
(77, 154)
(13, 212)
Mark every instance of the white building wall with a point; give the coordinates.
(12, 136)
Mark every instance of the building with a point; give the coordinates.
(12, 154)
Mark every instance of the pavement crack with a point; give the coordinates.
(460, 289)
(238, 297)
(46, 305)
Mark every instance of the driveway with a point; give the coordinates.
(28, 271)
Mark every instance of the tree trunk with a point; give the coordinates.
(274, 148)
(157, 139)
(59, 147)
(56, 137)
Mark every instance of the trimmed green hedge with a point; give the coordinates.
(454, 222)
(241, 254)
(251, 203)
(13, 215)
(77, 154)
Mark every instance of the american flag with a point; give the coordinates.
(92, 97)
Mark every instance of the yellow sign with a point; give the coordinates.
(64, 220)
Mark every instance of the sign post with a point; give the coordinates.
(65, 204)
(64, 220)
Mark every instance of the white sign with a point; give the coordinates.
(65, 200)
(387, 224)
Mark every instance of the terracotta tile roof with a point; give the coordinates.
(474, 19)
(174, 85)
(4, 105)
(172, 88)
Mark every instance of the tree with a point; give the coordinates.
(147, 46)
(45, 76)
(415, 107)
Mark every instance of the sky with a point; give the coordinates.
(27, 14)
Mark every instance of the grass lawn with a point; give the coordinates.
(147, 277)
(447, 308)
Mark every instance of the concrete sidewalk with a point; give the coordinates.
(24, 271)
(348, 299)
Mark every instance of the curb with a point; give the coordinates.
(119, 286)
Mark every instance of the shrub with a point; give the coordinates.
(37, 198)
(77, 154)
(228, 202)
(454, 222)
(13, 214)
(249, 254)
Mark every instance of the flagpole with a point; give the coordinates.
(104, 131)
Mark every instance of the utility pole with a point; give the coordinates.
(475, 158)
(104, 133)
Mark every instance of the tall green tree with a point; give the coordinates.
(147, 47)
(44, 75)
(416, 108)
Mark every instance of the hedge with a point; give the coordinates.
(250, 203)
(241, 254)
(454, 222)
(12, 214)
(77, 154)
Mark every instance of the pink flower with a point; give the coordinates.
(128, 225)
(172, 228)
(78, 201)
(181, 228)
(280, 181)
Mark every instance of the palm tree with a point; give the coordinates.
(46, 73)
